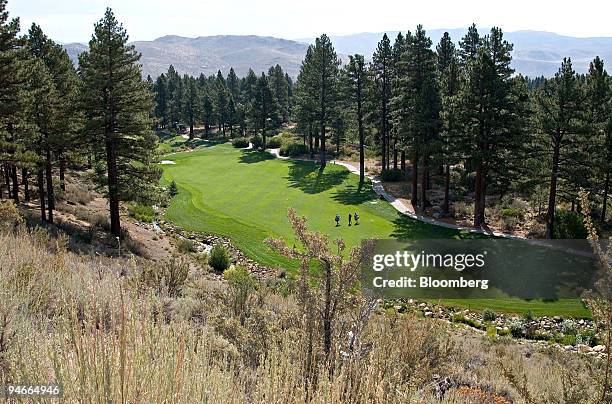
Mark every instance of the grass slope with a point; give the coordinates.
(244, 195)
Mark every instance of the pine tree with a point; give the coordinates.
(175, 97)
(356, 74)
(221, 101)
(469, 45)
(399, 47)
(448, 67)
(326, 64)
(381, 67)
(11, 80)
(280, 86)
(306, 101)
(264, 107)
(560, 118)
(191, 103)
(59, 130)
(491, 112)
(599, 96)
(116, 104)
(207, 113)
(419, 95)
(249, 87)
(41, 111)
(232, 117)
(160, 88)
(233, 85)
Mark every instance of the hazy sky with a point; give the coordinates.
(72, 20)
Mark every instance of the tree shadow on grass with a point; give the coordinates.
(407, 228)
(306, 176)
(354, 195)
(254, 156)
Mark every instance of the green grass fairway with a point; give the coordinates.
(244, 195)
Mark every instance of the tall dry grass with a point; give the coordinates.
(94, 326)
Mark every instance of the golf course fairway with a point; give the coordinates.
(244, 195)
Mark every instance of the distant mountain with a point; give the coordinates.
(535, 53)
(212, 53)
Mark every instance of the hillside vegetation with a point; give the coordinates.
(127, 330)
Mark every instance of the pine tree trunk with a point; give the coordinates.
(322, 154)
(383, 153)
(403, 162)
(40, 182)
(7, 182)
(394, 154)
(552, 195)
(49, 181)
(445, 205)
(113, 187)
(62, 172)
(479, 197)
(190, 130)
(415, 180)
(1, 183)
(26, 184)
(605, 198)
(15, 184)
(424, 177)
(361, 141)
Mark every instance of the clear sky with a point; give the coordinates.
(72, 20)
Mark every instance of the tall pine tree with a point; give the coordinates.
(116, 104)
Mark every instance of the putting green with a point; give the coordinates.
(244, 195)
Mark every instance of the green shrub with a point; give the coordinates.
(568, 340)
(172, 189)
(219, 258)
(491, 331)
(568, 327)
(516, 328)
(10, 218)
(142, 213)
(462, 209)
(588, 337)
(257, 141)
(569, 225)
(511, 213)
(489, 315)
(166, 277)
(293, 149)
(274, 142)
(528, 316)
(185, 245)
(241, 286)
(504, 332)
(392, 175)
(240, 142)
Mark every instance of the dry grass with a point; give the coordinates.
(108, 332)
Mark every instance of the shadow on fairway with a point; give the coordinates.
(406, 228)
(354, 195)
(254, 156)
(306, 176)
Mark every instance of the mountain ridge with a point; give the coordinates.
(535, 52)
